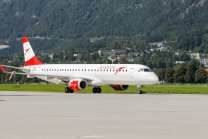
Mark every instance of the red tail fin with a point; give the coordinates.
(30, 58)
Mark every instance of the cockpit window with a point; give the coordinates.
(141, 70)
(145, 70)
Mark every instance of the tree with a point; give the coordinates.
(123, 60)
(161, 74)
(169, 63)
(200, 75)
(190, 74)
(115, 61)
(179, 74)
(169, 75)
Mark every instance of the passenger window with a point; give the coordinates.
(97, 69)
(107, 70)
(85, 69)
(100, 69)
(78, 69)
(82, 69)
(126, 70)
(91, 69)
(54, 69)
(72, 69)
(57, 69)
(104, 70)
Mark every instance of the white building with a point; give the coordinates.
(180, 62)
(106, 52)
(204, 61)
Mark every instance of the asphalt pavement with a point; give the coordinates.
(43, 115)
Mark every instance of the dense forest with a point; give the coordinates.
(68, 27)
(67, 23)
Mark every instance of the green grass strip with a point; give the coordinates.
(166, 89)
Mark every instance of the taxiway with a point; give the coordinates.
(54, 115)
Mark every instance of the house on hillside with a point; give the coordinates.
(107, 52)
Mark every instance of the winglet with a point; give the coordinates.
(3, 69)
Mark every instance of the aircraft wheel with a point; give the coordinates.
(94, 90)
(99, 90)
(71, 91)
(67, 89)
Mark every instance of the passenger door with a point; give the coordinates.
(131, 72)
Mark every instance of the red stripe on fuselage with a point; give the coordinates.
(119, 69)
(33, 61)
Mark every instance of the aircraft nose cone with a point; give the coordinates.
(154, 79)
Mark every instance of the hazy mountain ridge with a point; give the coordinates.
(76, 21)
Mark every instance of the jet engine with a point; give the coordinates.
(78, 84)
(120, 87)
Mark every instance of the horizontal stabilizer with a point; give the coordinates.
(20, 68)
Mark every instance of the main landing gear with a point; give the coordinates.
(96, 90)
(68, 90)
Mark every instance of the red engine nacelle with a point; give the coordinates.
(78, 84)
(120, 87)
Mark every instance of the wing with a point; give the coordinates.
(45, 76)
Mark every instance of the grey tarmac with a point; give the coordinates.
(44, 115)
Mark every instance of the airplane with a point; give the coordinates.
(80, 76)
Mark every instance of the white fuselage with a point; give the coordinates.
(101, 74)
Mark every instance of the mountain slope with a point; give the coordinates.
(76, 21)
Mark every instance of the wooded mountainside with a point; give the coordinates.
(65, 23)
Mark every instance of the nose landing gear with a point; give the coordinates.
(140, 89)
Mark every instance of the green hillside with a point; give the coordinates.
(66, 23)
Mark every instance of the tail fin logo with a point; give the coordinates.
(27, 50)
